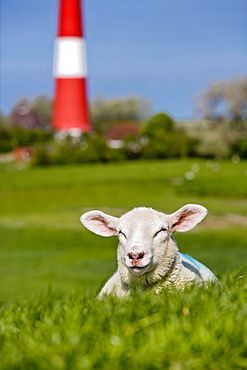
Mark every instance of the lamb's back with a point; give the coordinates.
(192, 267)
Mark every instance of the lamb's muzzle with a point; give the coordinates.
(136, 257)
(147, 252)
(137, 263)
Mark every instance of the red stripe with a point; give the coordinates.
(71, 104)
(70, 18)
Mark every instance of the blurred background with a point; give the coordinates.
(167, 90)
(166, 52)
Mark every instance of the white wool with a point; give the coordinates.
(147, 254)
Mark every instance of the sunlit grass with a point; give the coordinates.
(159, 184)
(52, 268)
(42, 241)
(194, 329)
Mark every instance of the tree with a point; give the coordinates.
(164, 139)
(225, 101)
(32, 115)
(4, 121)
(106, 112)
(42, 105)
(5, 134)
(158, 126)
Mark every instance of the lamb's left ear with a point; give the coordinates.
(187, 217)
(100, 223)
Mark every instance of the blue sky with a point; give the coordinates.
(166, 51)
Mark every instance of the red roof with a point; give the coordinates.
(120, 131)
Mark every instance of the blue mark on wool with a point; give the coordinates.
(192, 260)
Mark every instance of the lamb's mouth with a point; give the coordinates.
(138, 269)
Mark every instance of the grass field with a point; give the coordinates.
(52, 268)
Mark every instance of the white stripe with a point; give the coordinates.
(70, 58)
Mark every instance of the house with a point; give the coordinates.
(117, 133)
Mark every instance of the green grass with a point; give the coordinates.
(52, 268)
(42, 241)
(34, 258)
(66, 190)
(194, 329)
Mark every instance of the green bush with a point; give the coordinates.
(41, 156)
(6, 142)
(132, 148)
(23, 137)
(11, 138)
(158, 126)
(164, 140)
(240, 148)
(93, 149)
(90, 149)
(169, 146)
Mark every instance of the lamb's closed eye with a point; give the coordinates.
(163, 229)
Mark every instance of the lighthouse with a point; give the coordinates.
(70, 109)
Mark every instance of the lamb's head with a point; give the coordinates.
(143, 233)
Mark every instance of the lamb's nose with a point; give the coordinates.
(136, 257)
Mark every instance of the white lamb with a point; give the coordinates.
(147, 253)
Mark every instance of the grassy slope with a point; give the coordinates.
(43, 246)
(42, 241)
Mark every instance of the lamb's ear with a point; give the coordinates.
(187, 217)
(100, 223)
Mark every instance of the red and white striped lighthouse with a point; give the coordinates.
(70, 110)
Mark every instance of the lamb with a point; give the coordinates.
(147, 253)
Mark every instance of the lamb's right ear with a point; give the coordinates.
(100, 223)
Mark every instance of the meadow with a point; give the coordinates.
(52, 268)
